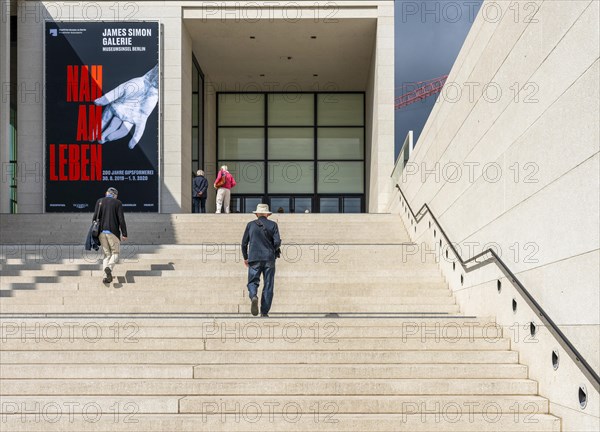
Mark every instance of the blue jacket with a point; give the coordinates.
(261, 247)
(200, 184)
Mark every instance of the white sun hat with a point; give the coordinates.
(262, 209)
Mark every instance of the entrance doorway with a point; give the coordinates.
(299, 204)
(298, 151)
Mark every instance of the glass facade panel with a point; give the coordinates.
(341, 177)
(195, 148)
(241, 109)
(280, 205)
(291, 177)
(250, 204)
(291, 109)
(241, 143)
(249, 176)
(195, 80)
(195, 107)
(341, 143)
(303, 204)
(329, 205)
(291, 143)
(335, 109)
(352, 205)
(235, 205)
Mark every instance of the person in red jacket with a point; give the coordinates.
(224, 183)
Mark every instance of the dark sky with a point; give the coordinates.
(429, 36)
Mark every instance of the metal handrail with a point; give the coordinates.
(580, 361)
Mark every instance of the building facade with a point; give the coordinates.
(296, 98)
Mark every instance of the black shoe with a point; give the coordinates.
(108, 278)
(264, 315)
(254, 307)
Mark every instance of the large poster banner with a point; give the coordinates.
(102, 90)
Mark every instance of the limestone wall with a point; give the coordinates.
(509, 159)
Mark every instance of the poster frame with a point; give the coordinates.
(159, 107)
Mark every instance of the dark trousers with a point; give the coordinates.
(267, 269)
(199, 205)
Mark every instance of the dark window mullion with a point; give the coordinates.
(316, 150)
(266, 149)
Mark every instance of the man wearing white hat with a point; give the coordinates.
(260, 248)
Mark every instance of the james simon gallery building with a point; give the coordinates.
(296, 97)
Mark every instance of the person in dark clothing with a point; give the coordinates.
(109, 214)
(259, 245)
(199, 190)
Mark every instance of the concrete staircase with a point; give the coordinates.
(364, 335)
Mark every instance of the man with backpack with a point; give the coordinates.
(260, 248)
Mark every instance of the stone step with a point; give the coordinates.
(266, 371)
(18, 327)
(291, 263)
(148, 238)
(326, 421)
(363, 371)
(209, 255)
(332, 271)
(56, 253)
(185, 286)
(122, 387)
(365, 404)
(21, 286)
(205, 252)
(250, 332)
(291, 342)
(239, 299)
(96, 371)
(292, 356)
(7, 308)
(144, 263)
(162, 222)
(304, 404)
(315, 291)
(182, 322)
(234, 275)
(84, 404)
(237, 266)
(323, 285)
(62, 258)
(434, 329)
(149, 235)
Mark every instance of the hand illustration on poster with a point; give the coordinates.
(128, 106)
